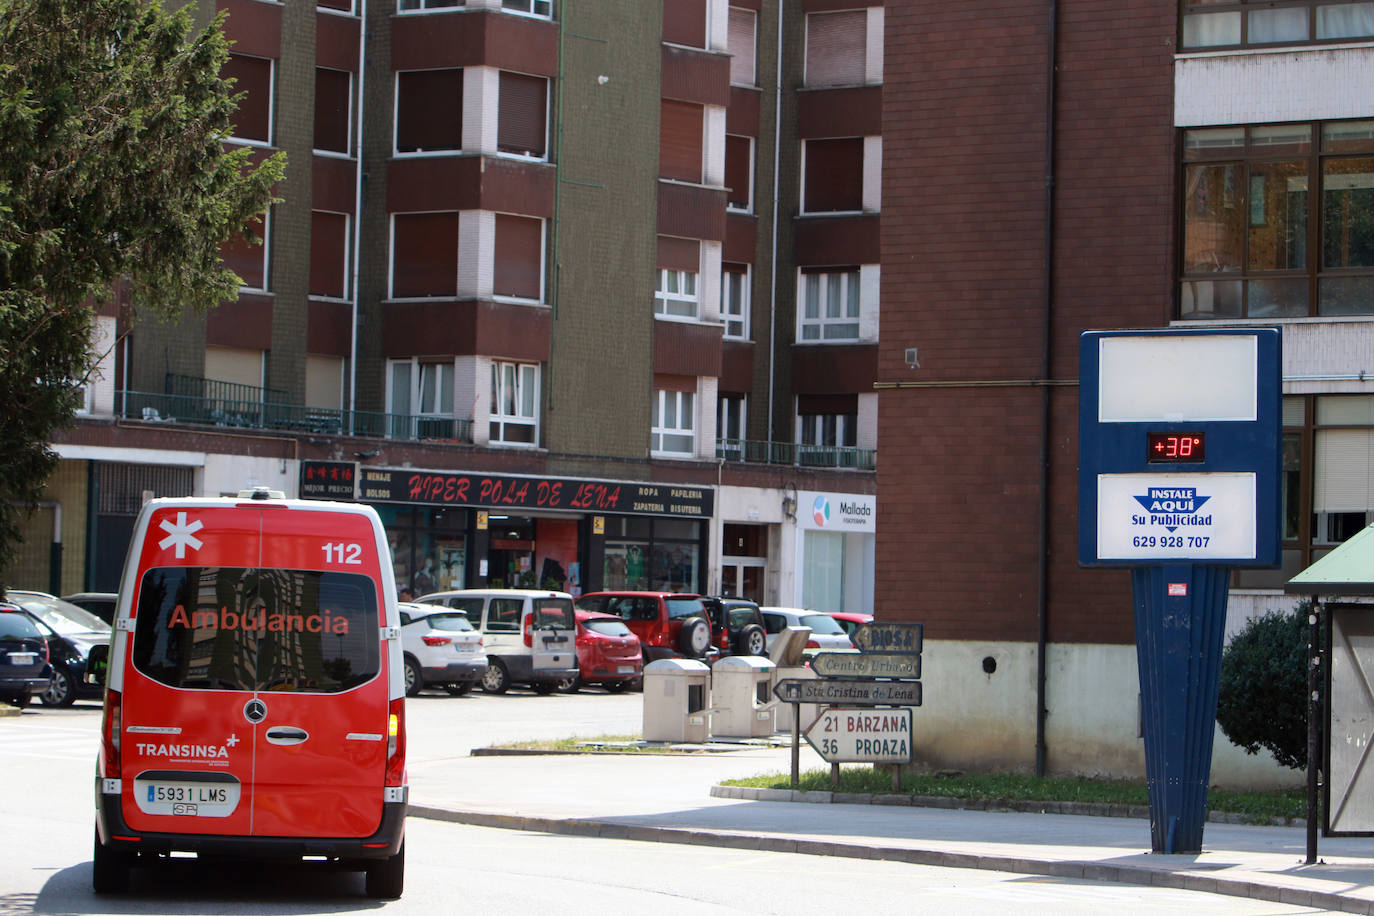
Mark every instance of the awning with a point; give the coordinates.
(1347, 570)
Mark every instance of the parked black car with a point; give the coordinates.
(736, 626)
(70, 633)
(24, 667)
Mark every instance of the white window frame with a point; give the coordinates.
(673, 417)
(391, 260)
(749, 204)
(266, 259)
(829, 328)
(347, 259)
(525, 398)
(271, 107)
(396, 152)
(548, 106)
(352, 114)
(428, 6)
(351, 11)
(753, 49)
(734, 309)
(842, 426)
(671, 300)
(738, 406)
(418, 372)
(535, 9)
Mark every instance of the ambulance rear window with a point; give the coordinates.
(221, 628)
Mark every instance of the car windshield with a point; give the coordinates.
(685, 607)
(607, 627)
(449, 622)
(63, 616)
(823, 624)
(14, 625)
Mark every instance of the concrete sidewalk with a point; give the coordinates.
(673, 798)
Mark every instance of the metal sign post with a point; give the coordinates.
(1179, 480)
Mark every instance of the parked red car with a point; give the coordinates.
(669, 624)
(607, 653)
(850, 621)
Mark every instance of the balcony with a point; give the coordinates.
(791, 453)
(194, 401)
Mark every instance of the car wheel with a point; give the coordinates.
(415, 678)
(60, 690)
(752, 640)
(19, 700)
(616, 686)
(695, 638)
(495, 679)
(458, 689)
(109, 869)
(570, 684)
(386, 878)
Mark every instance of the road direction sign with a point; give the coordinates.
(867, 664)
(847, 735)
(889, 637)
(851, 691)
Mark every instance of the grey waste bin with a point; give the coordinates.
(677, 695)
(742, 697)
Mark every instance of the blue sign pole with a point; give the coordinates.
(1180, 623)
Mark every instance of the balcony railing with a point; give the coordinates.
(811, 456)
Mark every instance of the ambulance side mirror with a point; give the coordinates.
(97, 664)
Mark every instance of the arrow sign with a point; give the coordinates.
(904, 638)
(869, 664)
(845, 735)
(850, 691)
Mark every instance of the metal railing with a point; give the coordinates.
(813, 456)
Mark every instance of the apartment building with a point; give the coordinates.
(577, 293)
(1053, 167)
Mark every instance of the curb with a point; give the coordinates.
(1089, 870)
(1093, 809)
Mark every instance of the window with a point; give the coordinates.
(422, 397)
(424, 255)
(333, 110)
(676, 294)
(734, 300)
(836, 48)
(679, 143)
(821, 435)
(248, 257)
(673, 424)
(743, 26)
(1217, 23)
(329, 250)
(1257, 243)
(833, 176)
(429, 111)
(415, 6)
(684, 22)
(730, 420)
(521, 129)
(252, 76)
(519, 269)
(514, 403)
(830, 306)
(739, 173)
(540, 8)
(324, 382)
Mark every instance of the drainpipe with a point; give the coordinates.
(773, 264)
(357, 218)
(1042, 575)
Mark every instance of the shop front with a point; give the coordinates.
(456, 530)
(836, 539)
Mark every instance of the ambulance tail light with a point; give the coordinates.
(527, 628)
(110, 726)
(396, 743)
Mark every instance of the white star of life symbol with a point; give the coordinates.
(232, 740)
(181, 535)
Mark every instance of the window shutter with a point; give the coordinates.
(741, 46)
(679, 254)
(424, 258)
(252, 75)
(738, 172)
(684, 22)
(247, 259)
(679, 144)
(429, 110)
(834, 175)
(1344, 461)
(519, 247)
(328, 254)
(836, 48)
(332, 98)
(827, 404)
(523, 115)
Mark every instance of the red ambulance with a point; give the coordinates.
(254, 701)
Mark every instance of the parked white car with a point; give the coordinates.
(441, 649)
(826, 634)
